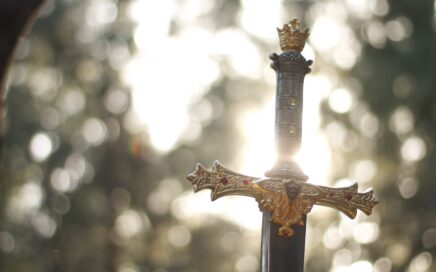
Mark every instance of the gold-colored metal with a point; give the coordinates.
(291, 37)
(288, 200)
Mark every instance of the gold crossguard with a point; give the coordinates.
(288, 200)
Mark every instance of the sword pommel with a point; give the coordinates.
(292, 38)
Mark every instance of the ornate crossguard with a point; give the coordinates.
(286, 199)
(285, 194)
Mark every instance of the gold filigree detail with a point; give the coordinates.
(288, 200)
(291, 37)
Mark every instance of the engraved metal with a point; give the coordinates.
(288, 200)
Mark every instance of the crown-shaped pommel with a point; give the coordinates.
(291, 37)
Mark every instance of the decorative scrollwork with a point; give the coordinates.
(288, 200)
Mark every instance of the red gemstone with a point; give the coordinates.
(246, 181)
(224, 180)
(348, 196)
(331, 194)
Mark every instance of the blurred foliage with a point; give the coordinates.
(84, 191)
(388, 133)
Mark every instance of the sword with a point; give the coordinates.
(283, 195)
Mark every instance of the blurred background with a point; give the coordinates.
(111, 103)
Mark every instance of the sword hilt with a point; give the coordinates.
(290, 67)
(284, 197)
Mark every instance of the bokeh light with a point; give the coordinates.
(40, 146)
(111, 103)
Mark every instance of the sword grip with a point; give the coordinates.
(291, 68)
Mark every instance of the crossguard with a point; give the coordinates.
(288, 200)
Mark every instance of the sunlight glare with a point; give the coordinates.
(359, 8)
(153, 20)
(172, 70)
(243, 55)
(258, 129)
(177, 73)
(314, 155)
(326, 33)
(196, 209)
(167, 73)
(268, 11)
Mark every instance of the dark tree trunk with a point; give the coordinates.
(15, 18)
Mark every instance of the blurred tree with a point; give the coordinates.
(385, 138)
(83, 191)
(14, 18)
(84, 188)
